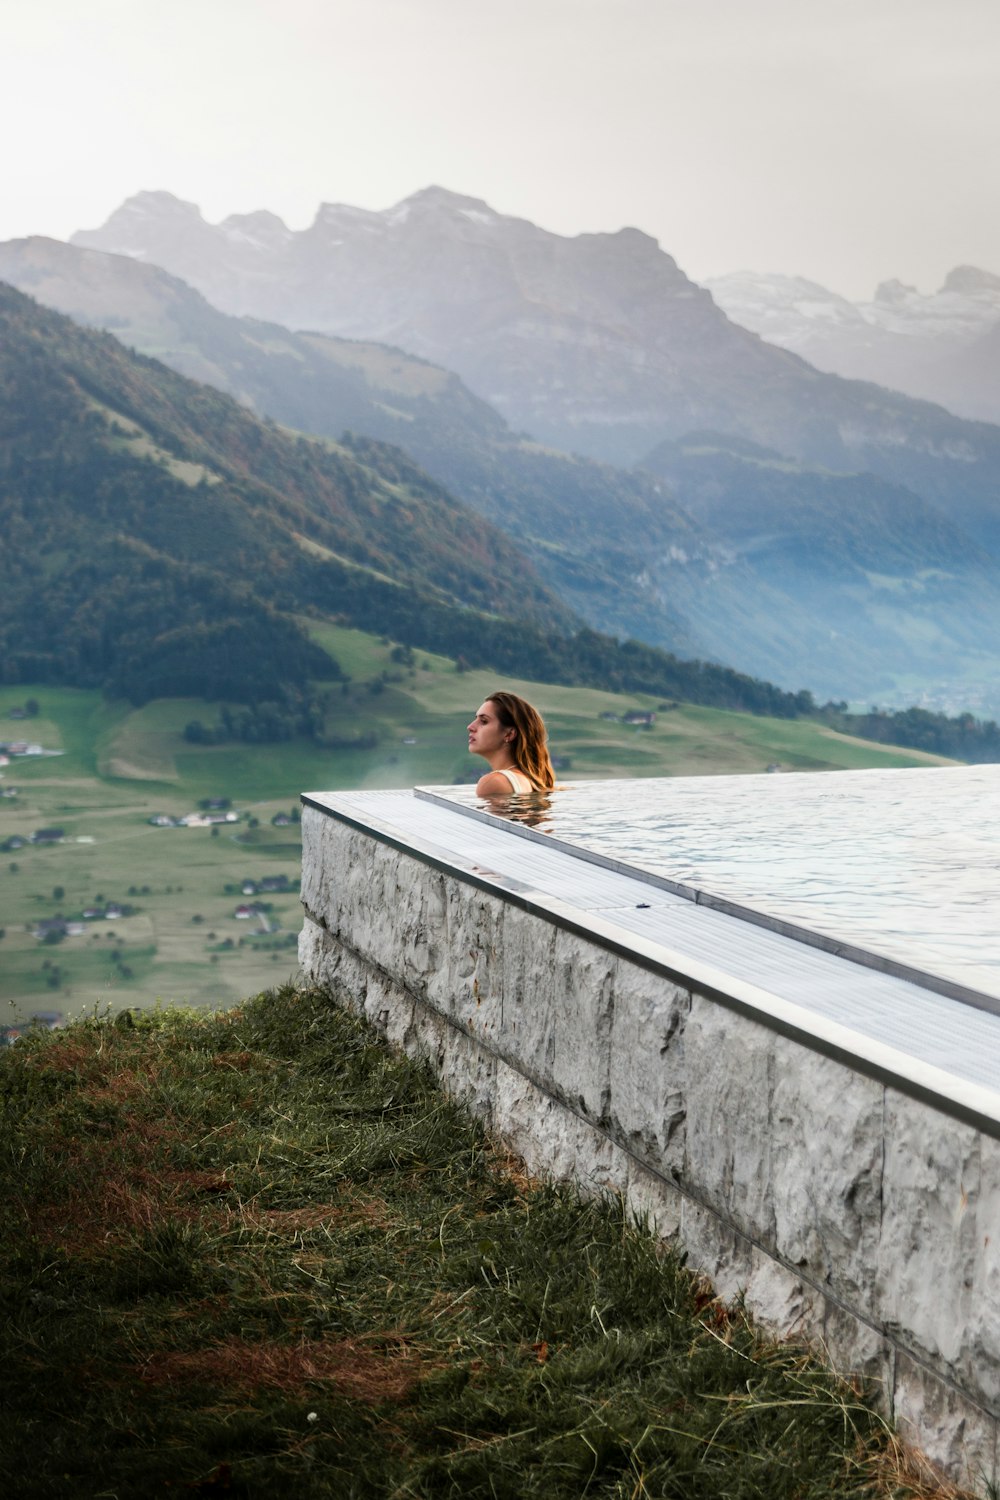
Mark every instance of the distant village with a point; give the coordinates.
(212, 812)
(55, 929)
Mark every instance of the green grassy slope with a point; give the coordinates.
(256, 1254)
(123, 765)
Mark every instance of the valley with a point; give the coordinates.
(866, 571)
(182, 943)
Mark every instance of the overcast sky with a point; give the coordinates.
(844, 140)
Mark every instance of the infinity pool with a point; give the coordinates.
(902, 863)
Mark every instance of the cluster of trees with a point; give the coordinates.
(582, 658)
(295, 711)
(963, 737)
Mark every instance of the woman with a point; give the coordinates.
(510, 734)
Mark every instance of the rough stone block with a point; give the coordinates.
(655, 1200)
(715, 1248)
(466, 981)
(552, 1141)
(955, 1434)
(647, 1107)
(559, 1005)
(311, 951)
(826, 1169)
(782, 1300)
(464, 1068)
(981, 1353)
(929, 1245)
(729, 1064)
(528, 958)
(316, 830)
(854, 1347)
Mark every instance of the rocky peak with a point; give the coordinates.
(439, 199)
(156, 207)
(970, 280)
(144, 224)
(261, 227)
(894, 292)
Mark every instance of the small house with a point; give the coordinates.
(50, 927)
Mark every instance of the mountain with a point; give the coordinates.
(613, 543)
(886, 573)
(943, 347)
(136, 505)
(597, 344)
(160, 540)
(579, 519)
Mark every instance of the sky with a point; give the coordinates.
(848, 141)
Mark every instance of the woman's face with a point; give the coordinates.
(486, 733)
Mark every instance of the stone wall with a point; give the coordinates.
(844, 1210)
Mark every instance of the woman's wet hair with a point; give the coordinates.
(528, 749)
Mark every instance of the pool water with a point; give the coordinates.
(901, 863)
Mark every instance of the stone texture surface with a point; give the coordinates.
(956, 1434)
(854, 1347)
(843, 1211)
(647, 1087)
(552, 1141)
(655, 1201)
(983, 1325)
(729, 1070)
(927, 1251)
(559, 1005)
(827, 1218)
(715, 1247)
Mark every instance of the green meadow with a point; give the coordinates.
(182, 942)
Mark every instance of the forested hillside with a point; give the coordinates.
(846, 583)
(157, 536)
(159, 539)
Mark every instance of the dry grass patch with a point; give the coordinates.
(358, 1371)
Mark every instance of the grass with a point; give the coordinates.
(256, 1253)
(121, 765)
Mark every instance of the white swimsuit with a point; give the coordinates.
(518, 781)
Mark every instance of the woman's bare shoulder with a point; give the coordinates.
(493, 784)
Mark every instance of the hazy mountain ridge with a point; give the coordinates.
(160, 540)
(134, 502)
(597, 344)
(885, 573)
(943, 346)
(613, 543)
(583, 516)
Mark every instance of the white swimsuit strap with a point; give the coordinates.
(519, 782)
